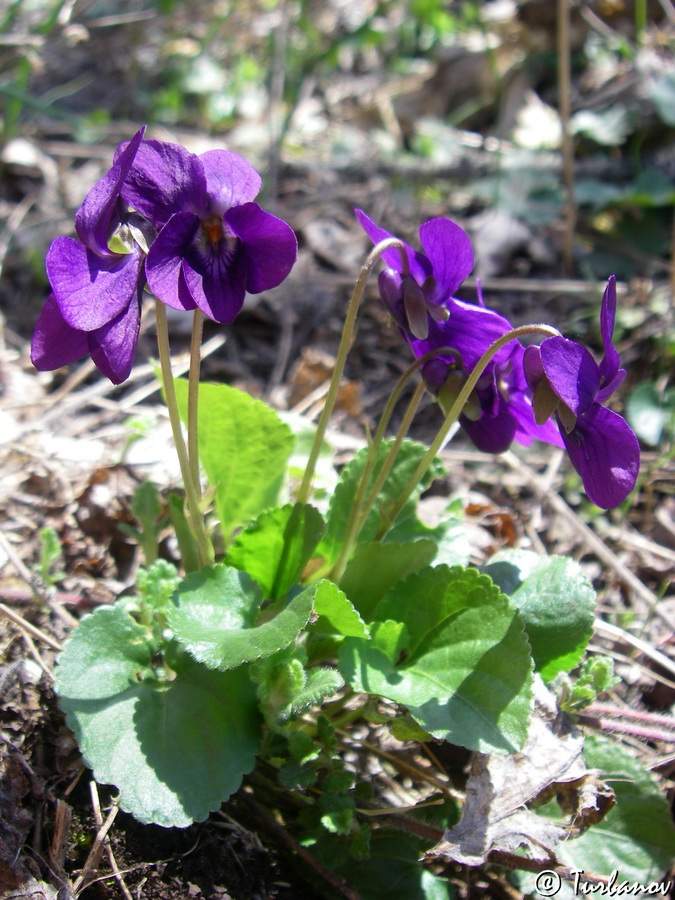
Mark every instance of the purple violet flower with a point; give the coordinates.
(568, 382)
(97, 281)
(430, 318)
(214, 243)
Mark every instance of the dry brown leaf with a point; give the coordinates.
(500, 787)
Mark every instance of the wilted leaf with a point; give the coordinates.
(499, 787)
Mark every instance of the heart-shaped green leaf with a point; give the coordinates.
(275, 548)
(175, 753)
(462, 667)
(244, 448)
(108, 652)
(175, 742)
(556, 601)
(215, 611)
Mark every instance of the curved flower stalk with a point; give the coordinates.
(97, 280)
(570, 385)
(430, 318)
(214, 243)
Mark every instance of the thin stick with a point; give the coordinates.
(101, 842)
(616, 727)
(567, 144)
(613, 631)
(606, 709)
(30, 629)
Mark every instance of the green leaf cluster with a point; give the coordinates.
(449, 646)
(174, 692)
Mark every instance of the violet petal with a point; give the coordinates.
(571, 371)
(610, 387)
(93, 218)
(55, 343)
(609, 365)
(532, 365)
(218, 286)
(268, 245)
(450, 252)
(90, 291)
(420, 267)
(230, 180)
(494, 431)
(165, 179)
(470, 329)
(164, 262)
(113, 347)
(606, 453)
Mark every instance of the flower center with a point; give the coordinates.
(134, 230)
(213, 229)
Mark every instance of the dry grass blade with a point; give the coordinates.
(614, 631)
(100, 843)
(28, 628)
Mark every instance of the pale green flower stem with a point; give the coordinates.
(193, 398)
(204, 545)
(361, 506)
(360, 509)
(341, 358)
(455, 412)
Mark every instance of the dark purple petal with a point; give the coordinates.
(218, 285)
(611, 387)
(165, 179)
(436, 371)
(90, 291)
(609, 365)
(420, 267)
(93, 218)
(494, 431)
(515, 385)
(391, 292)
(55, 343)
(450, 252)
(164, 263)
(606, 453)
(230, 180)
(532, 365)
(520, 404)
(571, 371)
(113, 347)
(470, 329)
(269, 246)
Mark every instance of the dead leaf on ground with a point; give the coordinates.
(499, 788)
